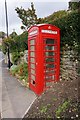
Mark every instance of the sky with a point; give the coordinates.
(43, 8)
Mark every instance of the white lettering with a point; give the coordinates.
(33, 32)
(49, 31)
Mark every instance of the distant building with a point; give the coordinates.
(0, 41)
(2, 35)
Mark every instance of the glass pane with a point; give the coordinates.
(32, 48)
(32, 54)
(32, 77)
(32, 60)
(32, 42)
(50, 77)
(50, 65)
(50, 48)
(49, 41)
(49, 72)
(50, 53)
(49, 59)
(48, 84)
(32, 71)
(33, 66)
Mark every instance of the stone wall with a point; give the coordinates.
(68, 68)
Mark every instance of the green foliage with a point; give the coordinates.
(20, 42)
(74, 5)
(55, 16)
(15, 57)
(28, 17)
(69, 28)
(15, 42)
(62, 108)
(21, 70)
(14, 69)
(5, 43)
(0, 47)
(13, 34)
(44, 109)
(2, 35)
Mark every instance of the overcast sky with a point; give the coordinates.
(43, 9)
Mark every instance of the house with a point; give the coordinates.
(0, 41)
(2, 35)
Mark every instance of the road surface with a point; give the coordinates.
(1, 56)
(15, 99)
(1, 59)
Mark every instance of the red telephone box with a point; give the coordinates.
(43, 56)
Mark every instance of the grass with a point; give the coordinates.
(54, 99)
(44, 108)
(62, 108)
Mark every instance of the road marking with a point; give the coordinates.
(29, 107)
(2, 60)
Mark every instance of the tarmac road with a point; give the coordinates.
(15, 99)
(1, 56)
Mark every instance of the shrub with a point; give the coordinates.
(15, 57)
(20, 70)
(14, 69)
(0, 47)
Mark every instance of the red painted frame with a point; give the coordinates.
(39, 33)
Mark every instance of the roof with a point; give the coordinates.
(39, 25)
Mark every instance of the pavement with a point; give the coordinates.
(16, 99)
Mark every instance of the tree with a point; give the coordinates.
(28, 16)
(13, 34)
(74, 5)
(2, 35)
(54, 16)
(15, 42)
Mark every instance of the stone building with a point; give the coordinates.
(0, 41)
